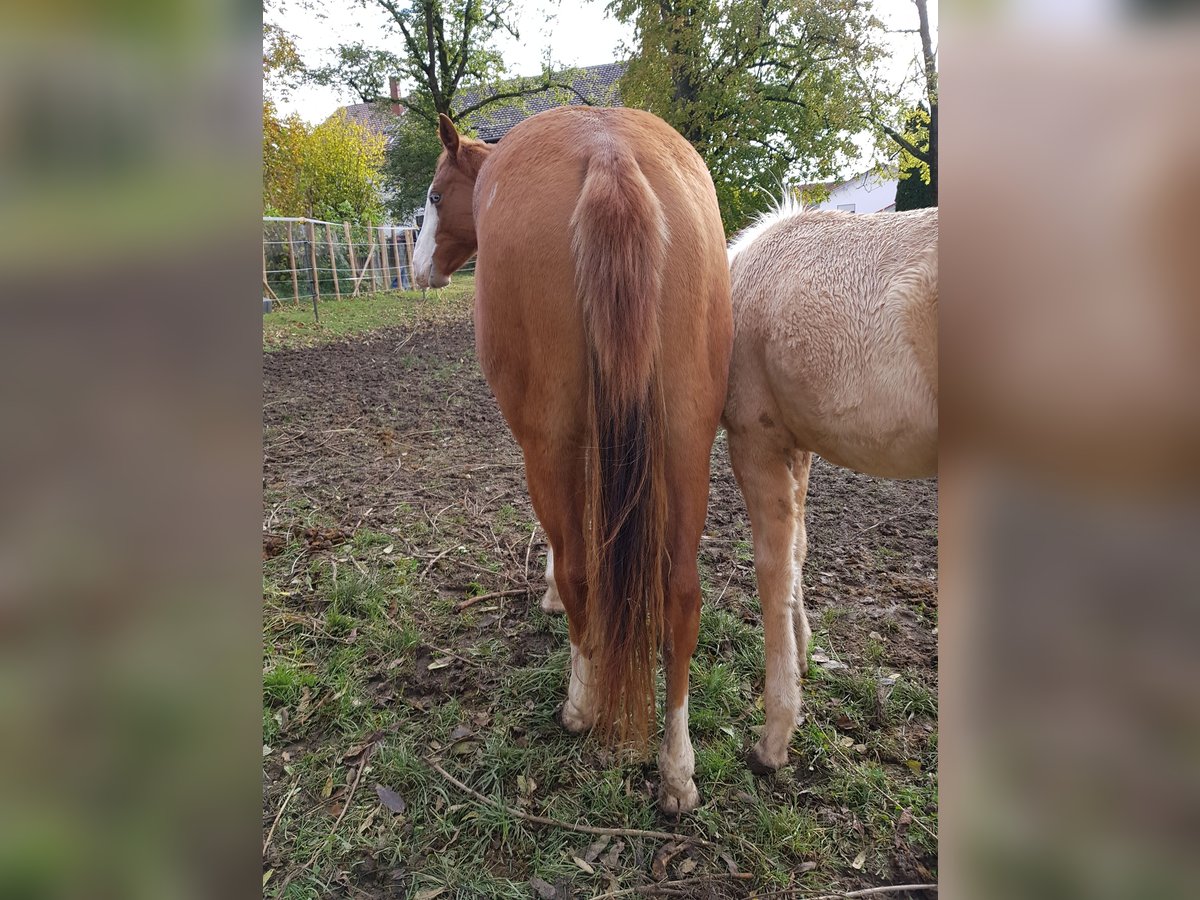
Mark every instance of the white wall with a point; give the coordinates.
(868, 193)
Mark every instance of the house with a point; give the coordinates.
(592, 85)
(865, 193)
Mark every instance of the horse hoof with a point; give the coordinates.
(552, 603)
(572, 720)
(675, 803)
(758, 762)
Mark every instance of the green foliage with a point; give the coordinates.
(766, 92)
(408, 167)
(329, 171)
(438, 47)
(915, 190)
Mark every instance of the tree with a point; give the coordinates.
(445, 60)
(441, 49)
(919, 147)
(330, 171)
(408, 168)
(766, 90)
(915, 189)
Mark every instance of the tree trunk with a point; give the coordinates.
(931, 92)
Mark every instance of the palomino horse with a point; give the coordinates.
(603, 325)
(835, 352)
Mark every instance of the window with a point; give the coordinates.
(846, 207)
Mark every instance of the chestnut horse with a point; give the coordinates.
(835, 352)
(603, 325)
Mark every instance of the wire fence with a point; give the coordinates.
(307, 259)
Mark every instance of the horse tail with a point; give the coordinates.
(619, 235)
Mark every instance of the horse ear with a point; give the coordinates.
(448, 134)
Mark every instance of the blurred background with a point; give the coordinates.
(130, 197)
(129, 450)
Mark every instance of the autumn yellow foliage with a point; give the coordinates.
(328, 171)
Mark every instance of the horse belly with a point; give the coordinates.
(878, 421)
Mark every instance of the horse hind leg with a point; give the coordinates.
(551, 601)
(579, 709)
(677, 791)
(765, 474)
(801, 466)
(566, 570)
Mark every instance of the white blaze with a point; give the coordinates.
(426, 245)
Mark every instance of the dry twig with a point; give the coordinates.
(279, 815)
(471, 601)
(555, 823)
(846, 895)
(664, 887)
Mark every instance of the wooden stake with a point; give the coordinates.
(408, 248)
(373, 263)
(363, 273)
(292, 264)
(396, 257)
(316, 276)
(337, 290)
(350, 253)
(387, 275)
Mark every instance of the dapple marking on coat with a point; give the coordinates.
(598, 235)
(835, 352)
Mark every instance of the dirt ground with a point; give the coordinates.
(397, 436)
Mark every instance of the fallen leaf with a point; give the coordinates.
(390, 799)
(729, 863)
(429, 893)
(526, 785)
(462, 748)
(687, 866)
(596, 848)
(389, 548)
(807, 866)
(460, 732)
(859, 860)
(440, 663)
(366, 823)
(543, 889)
(583, 865)
(914, 764)
(360, 749)
(609, 859)
(327, 789)
(662, 858)
(267, 876)
(267, 751)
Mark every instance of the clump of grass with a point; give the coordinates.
(284, 682)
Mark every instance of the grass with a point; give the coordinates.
(347, 659)
(289, 325)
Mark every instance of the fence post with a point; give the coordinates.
(316, 276)
(383, 255)
(371, 260)
(350, 254)
(408, 250)
(292, 264)
(337, 290)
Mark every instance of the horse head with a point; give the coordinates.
(447, 239)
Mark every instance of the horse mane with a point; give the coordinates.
(785, 208)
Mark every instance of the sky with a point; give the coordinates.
(579, 33)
